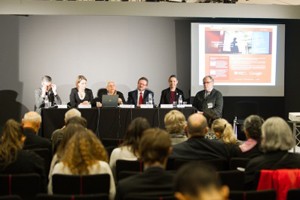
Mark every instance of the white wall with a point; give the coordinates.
(101, 48)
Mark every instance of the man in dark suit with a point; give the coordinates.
(155, 181)
(197, 147)
(31, 123)
(209, 101)
(171, 94)
(141, 95)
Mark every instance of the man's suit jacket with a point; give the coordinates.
(132, 97)
(166, 93)
(199, 148)
(152, 180)
(103, 91)
(33, 141)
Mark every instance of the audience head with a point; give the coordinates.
(276, 135)
(155, 147)
(11, 141)
(77, 120)
(223, 130)
(32, 120)
(81, 82)
(83, 150)
(134, 133)
(175, 122)
(197, 181)
(111, 87)
(208, 83)
(68, 132)
(142, 84)
(252, 127)
(72, 113)
(173, 82)
(197, 125)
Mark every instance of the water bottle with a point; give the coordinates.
(150, 98)
(180, 100)
(46, 101)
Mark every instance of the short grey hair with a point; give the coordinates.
(277, 135)
(32, 117)
(72, 113)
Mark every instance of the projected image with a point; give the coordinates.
(239, 55)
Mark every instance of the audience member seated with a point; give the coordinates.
(175, 124)
(31, 124)
(84, 155)
(197, 147)
(277, 140)
(141, 94)
(15, 160)
(224, 132)
(68, 132)
(129, 148)
(251, 147)
(172, 93)
(154, 148)
(196, 181)
(80, 95)
(57, 135)
(110, 90)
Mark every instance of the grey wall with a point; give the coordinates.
(101, 48)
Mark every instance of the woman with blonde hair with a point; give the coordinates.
(84, 155)
(15, 160)
(224, 131)
(81, 95)
(175, 123)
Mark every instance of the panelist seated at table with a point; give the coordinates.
(110, 89)
(47, 91)
(141, 95)
(80, 95)
(171, 94)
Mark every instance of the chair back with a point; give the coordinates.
(72, 197)
(18, 184)
(218, 164)
(253, 195)
(10, 197)
(46, 155)
(81, 184)
(128, 165)
(234, 179)
(235, 163)
(293, 194)
(152, 196)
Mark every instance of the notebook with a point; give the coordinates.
(110, 100)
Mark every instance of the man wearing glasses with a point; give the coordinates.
(209, 101)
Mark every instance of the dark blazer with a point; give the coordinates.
(152, 180)
(27, 162)
(132, 97)
(199, 148)
(165, 96)
(75, 100)
(271, 160)
(103, 91)
(215, 98)
(33, 141)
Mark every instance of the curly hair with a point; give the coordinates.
(134, 133)
(10, 142)
(252, 125)
(175, 122)
(82, 151)
(225, 129)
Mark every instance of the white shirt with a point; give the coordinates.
(120, 153)
(100, 167)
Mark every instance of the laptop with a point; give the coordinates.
(110, 100)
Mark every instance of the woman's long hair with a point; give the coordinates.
(82, 151)
(225, 129)
(134, 133)
(10, 142)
